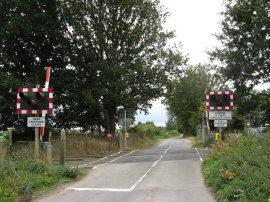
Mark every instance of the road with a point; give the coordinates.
(168, 172)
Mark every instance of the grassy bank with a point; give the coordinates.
(238, 169)
(22, 177)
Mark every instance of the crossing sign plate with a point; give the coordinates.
(35, 121)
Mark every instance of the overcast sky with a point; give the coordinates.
(195, 22)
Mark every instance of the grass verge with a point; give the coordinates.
(23, 177)
(238, 169)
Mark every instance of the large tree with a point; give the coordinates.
(185, 100)
(104, 54)
(120, 55)
(245, 39)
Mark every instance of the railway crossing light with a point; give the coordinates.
(219, 100)
(34, 100)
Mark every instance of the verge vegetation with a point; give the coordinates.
(238, 169)
(22, 177)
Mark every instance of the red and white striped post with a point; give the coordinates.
(48, 73)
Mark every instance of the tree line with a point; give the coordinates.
(105, 55)
(241, 63)
(108, 55)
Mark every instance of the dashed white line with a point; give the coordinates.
(201, 159)
(138, 181)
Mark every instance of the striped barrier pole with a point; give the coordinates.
(47, 80)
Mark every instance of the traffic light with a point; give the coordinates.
(34, 100)
(219, 100)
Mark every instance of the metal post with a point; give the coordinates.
(37, 138)
(220, 133)
(125, 129)
(203, 127)
(36, 142)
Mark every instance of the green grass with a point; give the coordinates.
(18, 175)
(238, 169)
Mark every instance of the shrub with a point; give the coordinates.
(22, 174)
(148, 129)
(238, 169)
(4, 137)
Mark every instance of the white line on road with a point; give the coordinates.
(103, 164)
(122, 156)
(138, 181)
(86, 164)
(201, 159)
(100, 189)
(121, 190)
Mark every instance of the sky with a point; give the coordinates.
(195, 22)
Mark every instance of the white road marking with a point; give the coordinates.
(122, 156)
(122, 190)
(86, 164)
(201, 159)
(100, 189)
(139, 180)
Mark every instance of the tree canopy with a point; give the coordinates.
(104, 55)
(185, 100)
(245, 51)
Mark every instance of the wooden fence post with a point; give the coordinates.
(10, 141)
(62, 147)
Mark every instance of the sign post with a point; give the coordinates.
(220, 106)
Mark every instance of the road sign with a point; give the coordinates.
(220, 123)
(109, 135)
(220, 115)
(36, 122)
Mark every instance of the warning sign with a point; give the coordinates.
(35, 122)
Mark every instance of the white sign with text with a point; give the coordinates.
(220, 123)
(35, 121)
(220, 115)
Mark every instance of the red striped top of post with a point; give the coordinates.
(47, 80)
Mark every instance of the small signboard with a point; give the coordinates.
(36, 122)
(220, 115)
(220, 123)
(109, 135)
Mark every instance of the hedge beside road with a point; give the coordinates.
(238, 169)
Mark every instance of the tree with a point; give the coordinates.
(186, 99)
(120, 55)
(245, 51)
(104, 54)
(30, 39)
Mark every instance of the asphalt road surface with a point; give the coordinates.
(168, 172)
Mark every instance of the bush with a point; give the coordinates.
(148, 129)
(239, 169)
(20, 174)
(4, 137)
